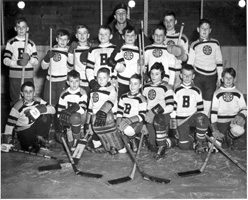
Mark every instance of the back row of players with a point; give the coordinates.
(101, 73)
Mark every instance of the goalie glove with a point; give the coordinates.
(111, 62)
(239, 119)
(49, 55)
(177, 51)
(33, 113)
(94, 85)
(236, 130)
(100, 118)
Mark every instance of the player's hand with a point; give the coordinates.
(149, 117)
(218, 135)
(124, 124)
(111, 62)
(49, 55)
(218, 83)
(100, 118)
(239, 120)
(72, 47)
(32, 114)
(94, 85)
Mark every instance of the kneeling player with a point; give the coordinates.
(131, 110)
(72, 107)
(102, 106)
(159, 106)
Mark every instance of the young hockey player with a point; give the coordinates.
(205, 56)
(188, 105)
(172, 38)
(131, 56)
(30, 118)
(132, 110)
(15, 58)
(159, 106)
(72, 107)
(157, 52)
(58, 68)
(102, 56)
(102, 106)
(229, 110)
(78, 53)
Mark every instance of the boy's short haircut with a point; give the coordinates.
(82, 26)
(21, 19)
(170, 13)
(158, 66)
(188, 68)
(63, 32)
(159, 27)
(230, 71)
(203, 21)
(129, 29)
(104, 70)
(74, 74)
(136, 76)
(106, 27)
(28, 84)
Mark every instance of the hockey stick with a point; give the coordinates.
(25, 51)
(143, 174)
(227, 154)
(131, 176)
(50, 76)
(198, 171)
(180, 34)
(77, 172)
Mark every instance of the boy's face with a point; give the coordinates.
(28, 94)
(169, 22)
(228, 80)
(104, 36)
(21, 29)
(204, 30)
(103, 79)
(158, 36)
(82, 35)
(73, 83)
(187, 76)
(121, 16)
(62, 41)
(134, 85)
(130, 38)
(156, 75)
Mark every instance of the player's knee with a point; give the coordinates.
(202, 120)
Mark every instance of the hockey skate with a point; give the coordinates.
(200, 146)
(160, 153)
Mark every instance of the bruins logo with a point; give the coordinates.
(128, 55)
(57, 57)
(151, 94)
(228, 96)
(157, 53)
(207, 50)
(95, 97)
(170, 42)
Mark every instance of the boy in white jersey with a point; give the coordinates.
(58, 68)
(78, 53)
(101, 56)
(205, 55)
(188, 107)
(157, 52)
(72, 107)
(160, 102)
(132, 110)
(15, 58)
(30, 118)
(131, 56)
(229, 109)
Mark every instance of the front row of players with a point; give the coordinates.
(149, 111)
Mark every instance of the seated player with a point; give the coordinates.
(31, 119)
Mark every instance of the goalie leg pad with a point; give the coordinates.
(133, 129)
(161, 124)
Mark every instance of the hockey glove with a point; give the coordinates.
(94, 85)
(24, 60)
(111, 62)
(239, 119)
(72, 47)
(84, 57)
(32, 114)
(177, 51)
(49, 55)
(100, 118)
(236, 130)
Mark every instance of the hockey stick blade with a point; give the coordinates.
(154, 178)
(49, 167)
(119, 180)
(77, 172)
(189, 173)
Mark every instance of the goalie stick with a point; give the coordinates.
(227, 155)
(143, 174)
(198, 171)
(77, 172)
(131, 176)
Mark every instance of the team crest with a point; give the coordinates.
(128, 55)
(151, 94)
(95, 97)
(57, 57)
(170, 42)
(157, 53)
(228, 96)
(207, 50)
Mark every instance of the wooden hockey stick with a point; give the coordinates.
(25, 51)
(143, 174)
(227, 154)
(50, 76)
(198, 171)
(77, 172)
(180, 34)
(131, 176)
